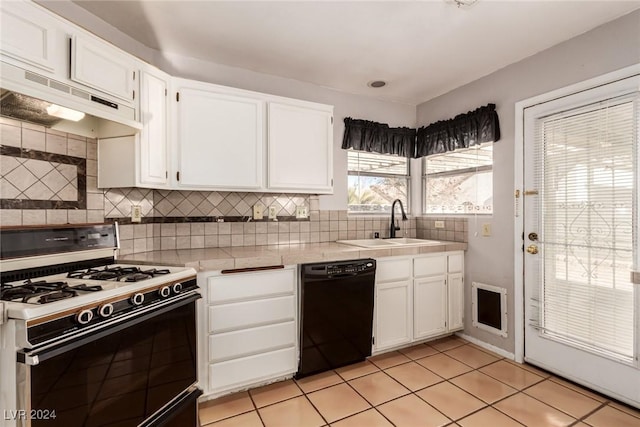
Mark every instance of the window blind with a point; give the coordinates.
(586, 173)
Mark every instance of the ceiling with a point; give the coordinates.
(422, 49)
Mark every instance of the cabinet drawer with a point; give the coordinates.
(392, 270)
(240, 286)
(251, 341)
(248, 370)
(248, 314)
(456, 263)
(430, 266)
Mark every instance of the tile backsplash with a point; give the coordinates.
(47, 176)
(50, 177)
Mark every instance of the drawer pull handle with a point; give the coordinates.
(246, 270)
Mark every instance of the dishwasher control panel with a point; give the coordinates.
(336, 269)
(359, 267)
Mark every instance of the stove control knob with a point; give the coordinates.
(84, 317)
(105, 310)
(137, 299)
(164, 291)
(177, 288)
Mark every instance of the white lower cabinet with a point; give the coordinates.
(429, 307)
(248, 329)
(455, 290)
(417, 297)
(393, 314)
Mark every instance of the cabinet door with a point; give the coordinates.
(429, 306)
(455, 288)
(99, 65)
(153, 137)
(393, 314)
(29, 35)
(300, 148)
(220, 140)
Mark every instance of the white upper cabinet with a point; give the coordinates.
(102, 66)
(154, 90)
(31, 37)
(300, 147)
(219, 138)
(224, 141)
(140, 160)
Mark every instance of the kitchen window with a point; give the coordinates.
(375, 181)
(460, 181)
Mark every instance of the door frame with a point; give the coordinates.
(520, 106)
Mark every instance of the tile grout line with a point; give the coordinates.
(255, 408)
(411, 392)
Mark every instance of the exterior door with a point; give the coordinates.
(581, 238)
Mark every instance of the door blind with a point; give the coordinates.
(586, 172)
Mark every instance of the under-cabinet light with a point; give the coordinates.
(64, 113)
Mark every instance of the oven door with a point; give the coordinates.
(138, 371)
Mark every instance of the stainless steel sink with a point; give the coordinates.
(389, 243)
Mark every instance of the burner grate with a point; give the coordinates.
(30, 290)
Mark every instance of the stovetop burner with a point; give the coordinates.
(124, 274)
(42, 292)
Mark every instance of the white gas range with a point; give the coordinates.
(66, 299)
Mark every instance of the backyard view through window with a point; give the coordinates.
(459, 182)
(375, 181)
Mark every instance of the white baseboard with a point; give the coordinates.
(489, 347)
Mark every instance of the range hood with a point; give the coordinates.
(30, 97)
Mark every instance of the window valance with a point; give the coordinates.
(364, 135)
(463, 131)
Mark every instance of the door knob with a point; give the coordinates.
(532, 249)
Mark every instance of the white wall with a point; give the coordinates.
(607, 48)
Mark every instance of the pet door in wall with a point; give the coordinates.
(489, 308)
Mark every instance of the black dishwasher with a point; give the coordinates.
(336, 314)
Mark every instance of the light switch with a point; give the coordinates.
(486, 230)
(258, 211)
(439, 224)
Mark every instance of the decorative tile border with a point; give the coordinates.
(193, 219)
(223, 204)
(41, 180)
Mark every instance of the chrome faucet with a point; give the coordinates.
(393, 228)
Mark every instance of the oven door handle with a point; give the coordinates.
(34, 357)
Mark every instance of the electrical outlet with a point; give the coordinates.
(136, 213)
(439, 224)
(258, 211)
(272, 212)
(486, 230)
(301, 212)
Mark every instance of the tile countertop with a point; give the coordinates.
(261, 256)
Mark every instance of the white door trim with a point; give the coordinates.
(519, 185)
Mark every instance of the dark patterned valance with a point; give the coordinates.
(373, 137)
(463, 131)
